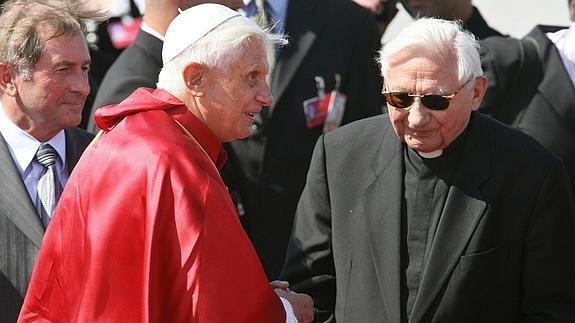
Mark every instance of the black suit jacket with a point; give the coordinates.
(502, 250)
(549, 114)
(138, 65)
(326, 37)
(20, 227)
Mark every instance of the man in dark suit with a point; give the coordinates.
(42, 91)
(538, 95)
(434, 212)
(326, 38)
(452, 10)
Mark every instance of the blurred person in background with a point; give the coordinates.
(107, 39)
(452, 10)
(383, 10)
(332, 49)
(532, 85)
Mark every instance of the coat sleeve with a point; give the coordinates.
(309, 263)
(548, 249)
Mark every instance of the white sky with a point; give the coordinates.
(512, 17)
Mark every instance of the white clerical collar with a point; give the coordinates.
(23, 146)
(431, 154)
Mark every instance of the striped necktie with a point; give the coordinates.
(49, 187)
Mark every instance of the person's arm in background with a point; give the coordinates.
(383, 10)
(309, 262)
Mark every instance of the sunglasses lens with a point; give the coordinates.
(435, 102)
(402, 100)
(399, 99)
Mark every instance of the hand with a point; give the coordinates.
(281, 284)
(302, 304)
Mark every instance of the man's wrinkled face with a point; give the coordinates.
(421, 128)
(55, 95)
(233, 96)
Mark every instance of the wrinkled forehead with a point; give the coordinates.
(47, 30)
(416, 64)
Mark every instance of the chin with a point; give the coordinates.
(244, 133)
(72, 122)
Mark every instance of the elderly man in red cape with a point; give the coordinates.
(145, 230)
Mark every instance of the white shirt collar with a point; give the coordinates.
(23, 146)
(564, 41)
(145, 27)
(431, 154)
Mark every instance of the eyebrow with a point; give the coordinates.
(440, 91)
(71, 63)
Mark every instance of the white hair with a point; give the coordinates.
(217, 49)
(433, 36)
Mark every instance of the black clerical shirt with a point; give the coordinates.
(426, 186)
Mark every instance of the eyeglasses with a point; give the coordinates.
(402, 100)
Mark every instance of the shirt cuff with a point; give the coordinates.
(290, 315)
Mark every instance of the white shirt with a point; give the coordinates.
(564, 40)
(290, 315)
(23, 147)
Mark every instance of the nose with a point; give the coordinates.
(80, 83)
(418, 114)
(264, 96)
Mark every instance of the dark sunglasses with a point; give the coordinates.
(402, 100)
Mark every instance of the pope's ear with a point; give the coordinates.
(7, 80)
(194, 77)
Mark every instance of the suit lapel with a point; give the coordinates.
(15, 202)
(463, 209)
(302, 27)
(384, 223)
(74, 148)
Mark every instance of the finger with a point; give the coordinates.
(280, 284)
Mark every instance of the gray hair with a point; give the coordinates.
(217, 49)
(21, 21)
(433, 36)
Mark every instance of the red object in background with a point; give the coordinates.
(122, 33)
(315, 110)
